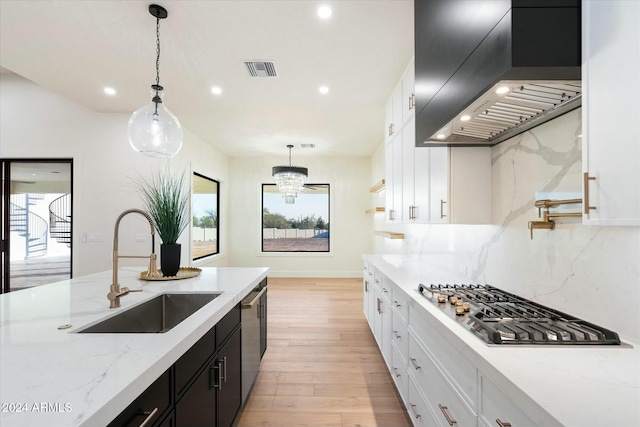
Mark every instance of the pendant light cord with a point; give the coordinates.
(158, 51)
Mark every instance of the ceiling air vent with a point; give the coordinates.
(261, 68)
(307, 145)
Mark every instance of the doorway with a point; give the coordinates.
(37, 222)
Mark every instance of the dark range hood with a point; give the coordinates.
(467, 50)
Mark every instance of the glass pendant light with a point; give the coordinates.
(153, 130)
(290, 179)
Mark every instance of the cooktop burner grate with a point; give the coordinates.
(499, 317)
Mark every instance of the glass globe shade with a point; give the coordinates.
(153, 130)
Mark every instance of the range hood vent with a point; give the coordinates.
(466, 50)
(261, 68)
(509, 108)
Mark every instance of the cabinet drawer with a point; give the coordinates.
(226, 325)
(418, 408)
(400, 303)
(399, 374)
(151, 405)
(190, 363)
(386, 288)
(495, 406)
(399, 336)
(460, 371)
(442, 398)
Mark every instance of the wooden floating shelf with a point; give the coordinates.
(390, 234)
(378, 187)
(374, 210)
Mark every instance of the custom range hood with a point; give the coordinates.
(487, 70)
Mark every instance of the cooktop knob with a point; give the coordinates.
(442, 298)
(466, 306)
(459, 310)
(453, 300)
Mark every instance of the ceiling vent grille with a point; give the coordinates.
(307, 145)
(261, 68)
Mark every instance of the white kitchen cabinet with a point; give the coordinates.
(610, 112)
(393, 114)
(399, 374)
(367, 292)
(415, 178)
(443, 400)
(419, 411)
(460, 185)
(496, 409)
(408, 93)
(394, 183)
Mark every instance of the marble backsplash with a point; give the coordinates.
(589, 272)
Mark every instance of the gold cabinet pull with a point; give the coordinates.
(414, 362)
(585, 182)
(445, 412)
(415, 413)
(502, 423)
(150, 415)
(442, 203)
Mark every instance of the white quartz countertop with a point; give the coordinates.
(577, 386)
(58, 377)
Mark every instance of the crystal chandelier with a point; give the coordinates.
(153, 130)
(290, 179)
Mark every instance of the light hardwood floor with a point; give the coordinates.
(322, 367)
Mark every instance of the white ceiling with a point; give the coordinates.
(76, 48)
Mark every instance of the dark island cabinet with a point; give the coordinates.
(202, 389)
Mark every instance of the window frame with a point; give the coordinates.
(261, 250)
(217, 208)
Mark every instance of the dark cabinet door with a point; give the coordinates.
(230, 389)
(197, 408)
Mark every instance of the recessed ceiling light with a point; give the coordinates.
(216, 90)
(465, 118)
(109, 91)
(502, 89)
(441, 136)
(323, 89)
(324, 12)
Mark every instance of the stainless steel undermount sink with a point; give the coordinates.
(157, 315)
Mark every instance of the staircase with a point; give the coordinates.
(32, 227)
(60, 219)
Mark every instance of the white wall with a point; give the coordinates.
(589, 272)
(350, 227)
(36, 123)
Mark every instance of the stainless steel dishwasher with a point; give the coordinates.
(253, 324)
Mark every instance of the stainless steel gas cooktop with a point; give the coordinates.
(499, 317)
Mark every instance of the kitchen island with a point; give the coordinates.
(59, 377)
(552, 385)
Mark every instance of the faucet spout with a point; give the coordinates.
(114, 290)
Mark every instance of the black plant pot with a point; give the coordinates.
(170, 258)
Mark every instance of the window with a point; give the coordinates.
(299, 227)
(205, 205)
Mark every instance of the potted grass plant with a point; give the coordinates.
(166, 200)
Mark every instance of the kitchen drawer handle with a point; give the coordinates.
(395, 370)
(246, 305)
(392, 215)
(377, 281)
(150, 415)
(224, 375)
(414, 362)
(413, 409)
(502, 424)
(366, 286)
(445, 411)
(585, 181)
(396, 334)
(218, 367)
(379, 305)
(397, 303)
(442, 203)
(385, 290)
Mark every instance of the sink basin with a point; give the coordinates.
(157, 315)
